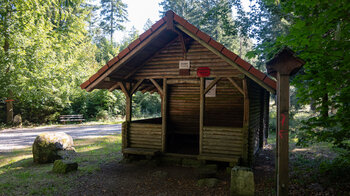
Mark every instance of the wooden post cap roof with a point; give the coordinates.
(152, 40)
(284, 62)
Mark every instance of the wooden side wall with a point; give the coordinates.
(222, 141)
(256, 116)
(144, 135)
(226, 109)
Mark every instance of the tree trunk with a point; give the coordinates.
(112, 10)
(324, 107)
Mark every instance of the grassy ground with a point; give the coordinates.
(20, 176)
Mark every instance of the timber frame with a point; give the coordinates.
(228, 125)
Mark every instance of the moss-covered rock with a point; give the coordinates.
(242, 181)
(47, 145)
(64, 166)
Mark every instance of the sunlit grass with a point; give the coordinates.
(20, 176)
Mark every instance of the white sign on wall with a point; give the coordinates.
(212, 91)
(184, 64)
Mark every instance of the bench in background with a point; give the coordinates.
(72, 118)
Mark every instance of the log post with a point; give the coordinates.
(201, 112)
(283, 65)
(164, 113)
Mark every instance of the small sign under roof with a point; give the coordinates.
(203, 71)
(184, 64)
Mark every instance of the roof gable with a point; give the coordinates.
(158, 37)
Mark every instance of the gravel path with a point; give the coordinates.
(11, 139)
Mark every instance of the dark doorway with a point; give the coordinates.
(183, 119)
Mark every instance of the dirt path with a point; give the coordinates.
(11, 139)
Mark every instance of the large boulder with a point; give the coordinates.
(48, 147)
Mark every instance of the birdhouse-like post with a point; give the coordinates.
(282, 66)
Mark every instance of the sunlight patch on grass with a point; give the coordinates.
(20, 176)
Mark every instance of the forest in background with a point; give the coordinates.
(49, 47)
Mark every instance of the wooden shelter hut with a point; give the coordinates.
(214, 104)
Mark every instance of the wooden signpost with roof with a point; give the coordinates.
(282, 66)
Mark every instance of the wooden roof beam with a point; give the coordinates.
(155, 83)
(136, 86)
(236, 85)
(149, 88)
(116, 85)
(125, 59)
(125, 91)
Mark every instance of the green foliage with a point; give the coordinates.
(337, 169)
(213, 17)
(318, 31)
(45, 54)
(146, 105)
(113, 13)
(102, 115)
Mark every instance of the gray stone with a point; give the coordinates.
(17, 120)
(242, 181)
(207, 171)
(47, 147)
(209, 182)
(67, 154)
(64, 166)
(191, 163)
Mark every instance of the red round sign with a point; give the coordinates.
(203, 71)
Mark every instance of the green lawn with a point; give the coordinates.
(20, 176)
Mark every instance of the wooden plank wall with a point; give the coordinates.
(166, 62)
(255, 113)
(224, 141)
(183, 109)
(266, 115)
(226, 109)
(145, 135)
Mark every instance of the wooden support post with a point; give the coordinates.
(201, 112)
(282, 137)
(283, 65)
(164, 113)
(245, 122)
(128, 108)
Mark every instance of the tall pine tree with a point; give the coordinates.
(114, 14)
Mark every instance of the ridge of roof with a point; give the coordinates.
(203, 36)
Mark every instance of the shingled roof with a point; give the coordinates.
(173, 19)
